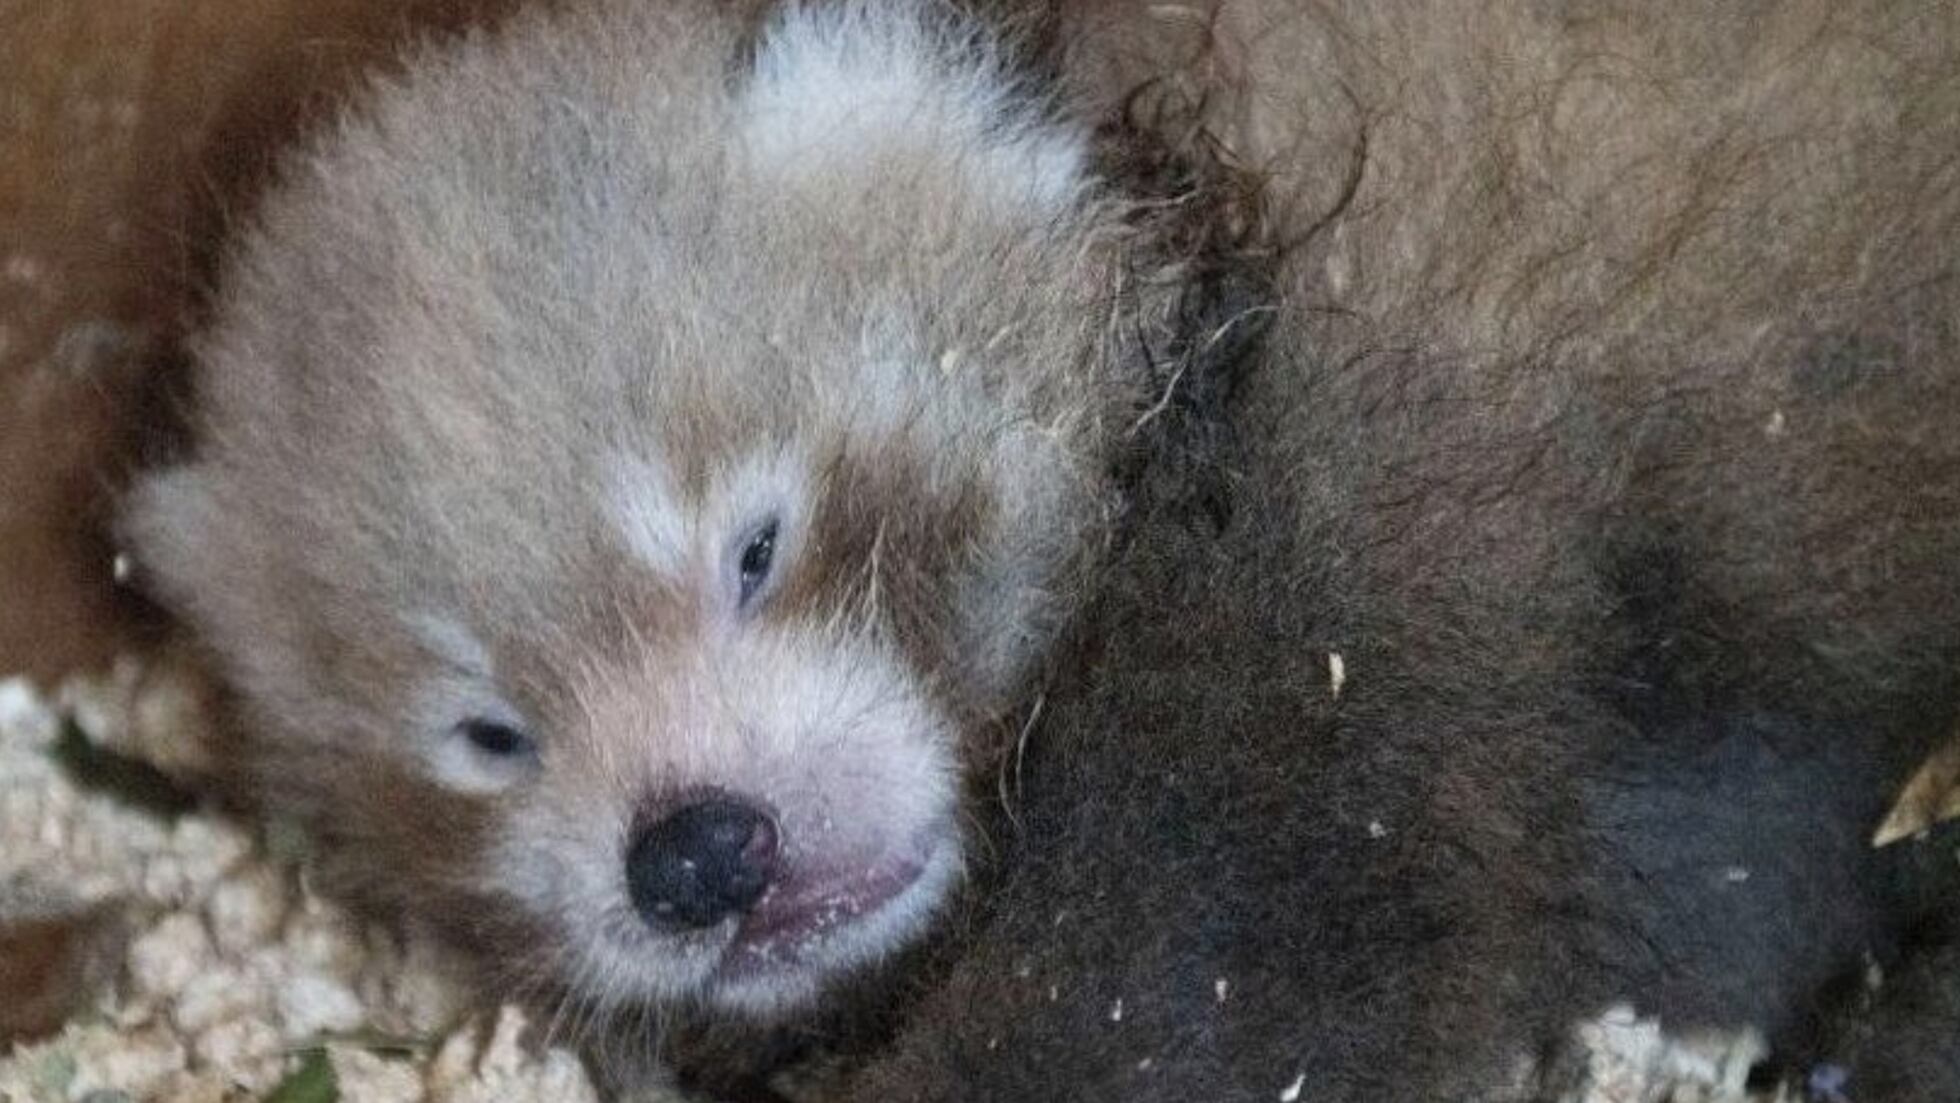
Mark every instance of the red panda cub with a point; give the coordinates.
(633, 452)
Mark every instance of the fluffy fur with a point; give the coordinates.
(1606, 436)
(525, 352)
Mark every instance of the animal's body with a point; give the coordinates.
(1591, 583)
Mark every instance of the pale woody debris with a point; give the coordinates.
(164, 959)
(313, 1004)
(1932, 795)
(231, 970)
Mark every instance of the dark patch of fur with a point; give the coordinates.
(1898, 1046)
(1580, 799)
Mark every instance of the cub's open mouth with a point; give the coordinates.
(797, 913)
(829, 915)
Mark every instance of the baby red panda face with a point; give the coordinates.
(638, 452)
(748, 779)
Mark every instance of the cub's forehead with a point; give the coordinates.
(474, 259)
(545, 304)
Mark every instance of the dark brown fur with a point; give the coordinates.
(1608, 436)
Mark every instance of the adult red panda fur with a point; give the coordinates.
(1591, 580)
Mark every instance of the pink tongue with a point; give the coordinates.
(799, 910)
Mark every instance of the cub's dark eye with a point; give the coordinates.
(757, 555)
(493, 738)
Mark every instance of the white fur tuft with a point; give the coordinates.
(836, 85)
(642, 505)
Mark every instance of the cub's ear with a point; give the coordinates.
(862, 88)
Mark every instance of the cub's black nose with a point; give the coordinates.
(710, 860)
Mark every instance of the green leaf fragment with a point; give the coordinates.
(312, 1082)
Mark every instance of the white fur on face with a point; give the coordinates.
(642, 503)
(830, 733)
(697, 544)
(772, 486)
(454, 761)
(837, 83)
(463, 688)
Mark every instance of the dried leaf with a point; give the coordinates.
(1931, 796)
(129, 780)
